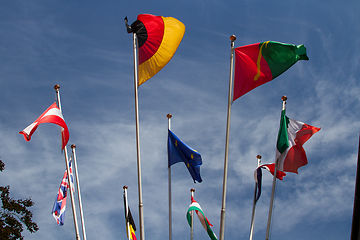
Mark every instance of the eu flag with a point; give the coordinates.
(178, 151)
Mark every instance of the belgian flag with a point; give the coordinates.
(131, 225)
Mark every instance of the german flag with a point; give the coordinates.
(158, 39)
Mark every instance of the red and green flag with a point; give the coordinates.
(260, 63)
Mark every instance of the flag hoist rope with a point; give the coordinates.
(283, 98)
(136, 81)
(169, 185)
(254, 202)
(222, 218)
(78, 191)
(57, 87)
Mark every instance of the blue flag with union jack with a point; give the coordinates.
(58, 210)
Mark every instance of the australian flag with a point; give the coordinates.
(58, 210)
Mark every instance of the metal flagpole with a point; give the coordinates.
(222, 218)
(169, 185)
(127, 213)
(73, 146)
(57, 87)
(355, 226)
(136, 81)
(254, 203)
(283, 98)
(192, 217)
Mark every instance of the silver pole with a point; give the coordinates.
(169, 185)
(283, 98)
(136, 80)
(254, 203)
(57, 87)
(192, 217)
(127, 213)
(222, 218)
(73, 146)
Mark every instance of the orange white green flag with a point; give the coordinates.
(260, 63)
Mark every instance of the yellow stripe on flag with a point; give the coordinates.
(173, 34)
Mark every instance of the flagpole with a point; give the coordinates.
(136, 81)
(355, 226)
(73, 146)
(222, 218)
(127, 213)
(283, 98)
(192, 217)
(254, 203)
(57, 87)
(169, 185)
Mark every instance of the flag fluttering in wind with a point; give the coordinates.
(158, 40)
(258, 176)
(59, 207)
(178, 151)
(51, 115)
(259, 63)
(289, 150)
(195, 206)
(129, 220)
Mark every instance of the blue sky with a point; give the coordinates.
(83, 46)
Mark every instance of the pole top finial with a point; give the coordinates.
(258, 156)
(57, 86)
(73, 146)
(169, 115)
(284, 98)
(192, 190)
(233, 37)
(125, 187)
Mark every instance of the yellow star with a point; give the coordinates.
(192, 156)
(175, 143)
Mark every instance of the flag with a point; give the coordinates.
(51, 115)
(194, 206)
(158, 39)
(259, 63)
(258, 176)
(289, 150)
(59, 207)
(129, 219)
(178, 151)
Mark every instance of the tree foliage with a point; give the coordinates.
(14, 213)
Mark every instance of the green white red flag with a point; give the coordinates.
(194, 206)
(289, 150)
(260, 63)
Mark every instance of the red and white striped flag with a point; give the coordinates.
(51, 115)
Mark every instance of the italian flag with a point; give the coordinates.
(259, 63)
(292, 135)
(194, 206)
